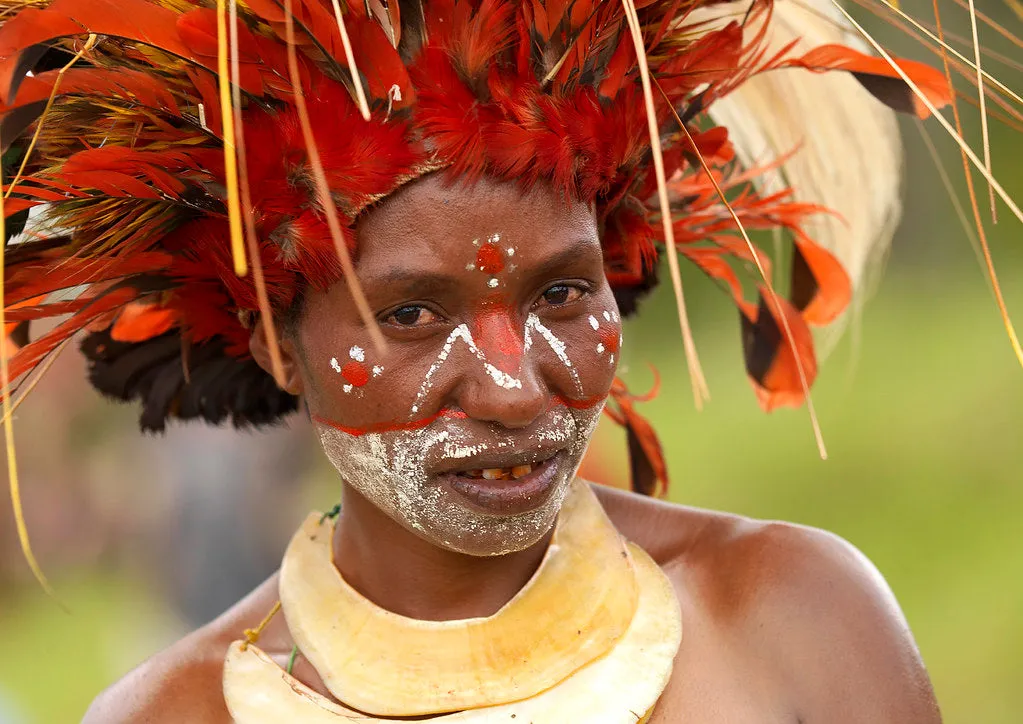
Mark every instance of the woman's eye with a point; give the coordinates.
(412, 316)
(560, 294)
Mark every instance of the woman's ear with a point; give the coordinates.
(285, 368)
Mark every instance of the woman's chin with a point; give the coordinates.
(461, 527)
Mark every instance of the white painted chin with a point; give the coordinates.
(389, 470)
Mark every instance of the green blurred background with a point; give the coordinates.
(147, 538)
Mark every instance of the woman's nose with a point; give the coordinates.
(513, 401)
(504, 385)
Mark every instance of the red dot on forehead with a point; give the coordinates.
(489, 259)
(609, 337)
(355, 374)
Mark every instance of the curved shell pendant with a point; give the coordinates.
(613, 689)
(575, 607)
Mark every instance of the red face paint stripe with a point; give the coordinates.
(390, 426)
(583, 404)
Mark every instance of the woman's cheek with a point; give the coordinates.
(354, 385)
(597, 346)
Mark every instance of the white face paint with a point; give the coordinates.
(397, 470)
(533, 323)
(501, 378)
(394, 471)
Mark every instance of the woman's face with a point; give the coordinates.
(502, 339)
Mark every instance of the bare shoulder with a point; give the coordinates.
(803, 601)
(183, 682)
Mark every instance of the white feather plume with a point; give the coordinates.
(849, 154)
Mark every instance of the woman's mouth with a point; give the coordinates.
(506, 490)
(513, 473)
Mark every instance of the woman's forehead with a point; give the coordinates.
(445, 220)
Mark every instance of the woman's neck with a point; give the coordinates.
(403, 573)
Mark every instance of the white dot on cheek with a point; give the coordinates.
(493, 283)
(335, 365)
(377, 370)
(594, 323)
(607, 316)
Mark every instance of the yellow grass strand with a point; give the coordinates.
(89, 44)
(699, 383)
(957, 205)
(996, 288)
(323, 190)
(40, 372)
(968, 152)
(360, 93)
(985, 136)
(8, 425)
(993, 25)
(251, 241)
(1002, 193)
(234, 215)
(991, 80)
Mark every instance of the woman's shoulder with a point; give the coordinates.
(750, 563)
(801, 598)
(183, 682)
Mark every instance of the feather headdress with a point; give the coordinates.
(200, 162)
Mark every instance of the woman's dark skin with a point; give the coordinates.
(781, 623)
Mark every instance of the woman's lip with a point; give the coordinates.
(507, 497)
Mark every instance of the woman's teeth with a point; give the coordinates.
(513, 473)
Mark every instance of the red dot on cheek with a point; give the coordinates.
(609, 337)
(489, 259)
(355, 374)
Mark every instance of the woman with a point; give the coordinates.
(435, 217)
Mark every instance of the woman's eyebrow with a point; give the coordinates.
(415, 281)
(404, 280)
(573, 255)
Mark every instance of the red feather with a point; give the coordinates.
(649, 468)
(55, 271)
(139, 20)
(139, 321)
(770, 358)
(821, 288)
(129, 85)
(880, 78)
(31, 354)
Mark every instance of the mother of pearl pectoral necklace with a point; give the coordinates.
(590, 638)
